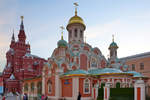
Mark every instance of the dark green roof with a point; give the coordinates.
(62, 43)
(113, 45)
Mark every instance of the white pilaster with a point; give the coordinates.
(107, 91)
(57, 86)
(75, 90)
(43, 83)
(141, 85)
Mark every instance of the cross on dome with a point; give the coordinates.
(113, 37)
(76, 5)
(62, 28)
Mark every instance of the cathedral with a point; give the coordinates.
(76, 67)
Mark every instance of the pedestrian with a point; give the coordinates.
(79, 96)
(46, 98)
(25, 97)
(43, 97)
(4, 98)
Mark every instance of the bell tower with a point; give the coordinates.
(76, 28)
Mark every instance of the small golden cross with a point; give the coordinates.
(76, 5)
(62, 28)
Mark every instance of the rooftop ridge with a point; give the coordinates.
(145, 54)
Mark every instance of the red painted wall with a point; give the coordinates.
(66, 87)
(83, 62)
(81, 82)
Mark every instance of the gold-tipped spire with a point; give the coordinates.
(22, 17)
(76, 5)
(113, 38)
(62, 28)
(13, 36)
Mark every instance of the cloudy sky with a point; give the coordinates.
(128, 20)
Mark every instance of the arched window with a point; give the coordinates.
(49, 85)
(75, 33)
(26, 87)
(86, 86)
(70, 33)
(32, 86)
(117, 85)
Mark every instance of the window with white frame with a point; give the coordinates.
(86, 86)
(49, 84)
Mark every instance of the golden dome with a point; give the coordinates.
(76, 19)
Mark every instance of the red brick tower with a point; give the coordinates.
(21, 63)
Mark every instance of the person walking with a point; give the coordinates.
(4, 98)
(43, 97)
(79, 96)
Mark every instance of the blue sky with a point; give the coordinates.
(128, 20)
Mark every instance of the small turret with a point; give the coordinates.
(113, 50)
(62, 42)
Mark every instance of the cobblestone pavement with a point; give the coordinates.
(12, 98)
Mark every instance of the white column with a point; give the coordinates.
(107, 91)
(57, 86)
(43, 83)
(139, 90)
(95, 91)
(75, 90)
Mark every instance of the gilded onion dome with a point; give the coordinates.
(76, 20)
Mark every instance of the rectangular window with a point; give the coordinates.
(133, 67)
(141, 66)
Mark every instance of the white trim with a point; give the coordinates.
(43, 82)
(75, 87)
(84, 86)
(57, 88)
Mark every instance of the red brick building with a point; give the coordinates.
(21, 63)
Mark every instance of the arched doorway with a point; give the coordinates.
(118, 85)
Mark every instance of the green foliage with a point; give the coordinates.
(100, 94)
(121, 93)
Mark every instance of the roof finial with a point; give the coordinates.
(13, 37)
(113, 38)
(22, 26)
(22, 17)
(76, 5)
(62, 28)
